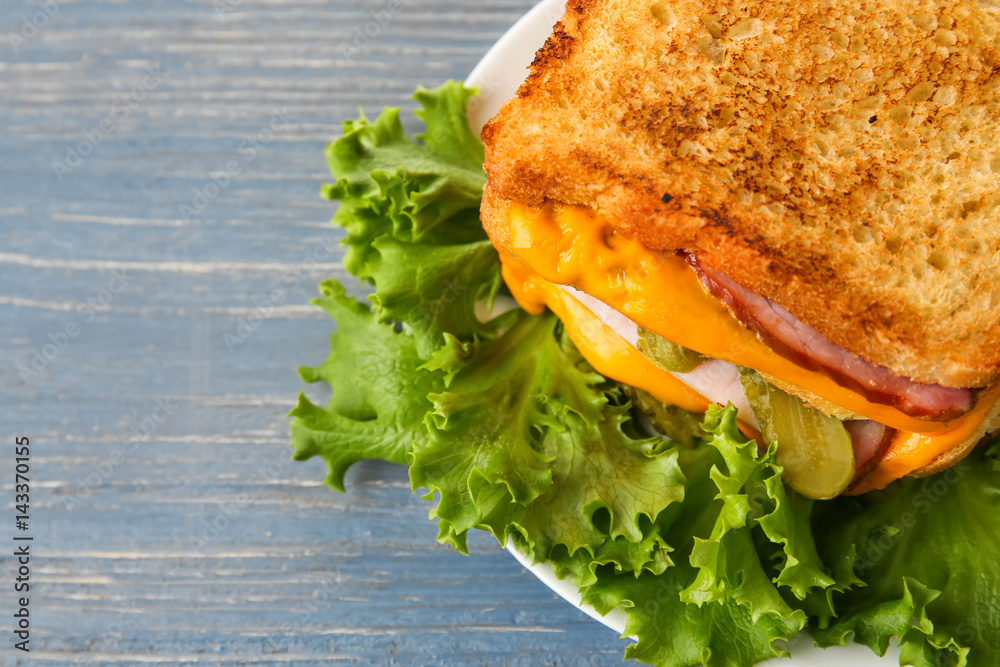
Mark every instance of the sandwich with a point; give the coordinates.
(715, 333)
(811, 194)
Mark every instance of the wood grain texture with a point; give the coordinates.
(170, 525)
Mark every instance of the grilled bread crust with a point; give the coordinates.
(962, 449)
(841, 158)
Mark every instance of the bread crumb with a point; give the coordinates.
(926, 21)
(822, 51)
(946, 96)
(712, 49)
(945, 38)
(712, 25)
(745, 29)
(664, 14)
(920, 92)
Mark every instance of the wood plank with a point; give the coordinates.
(199, 541)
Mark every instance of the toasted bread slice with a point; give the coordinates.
(839, 158)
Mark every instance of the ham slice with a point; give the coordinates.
(870, 441)
(793, 339)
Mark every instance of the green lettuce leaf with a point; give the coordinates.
(716, 604)
(526, 439)
(383, 412)
(927, 550)
(411, 212)
(676, 633)
(760, 547)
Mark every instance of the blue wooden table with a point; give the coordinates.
(161, 234)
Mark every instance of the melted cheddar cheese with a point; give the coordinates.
(609, 354)
(912, 451)
(563, 245)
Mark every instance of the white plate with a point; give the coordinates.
(498, 75)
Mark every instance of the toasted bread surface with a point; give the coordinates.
(840, 158)
(963, 449)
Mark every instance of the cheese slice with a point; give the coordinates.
(912, 451)
(571, 246)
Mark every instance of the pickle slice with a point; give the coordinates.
(814, 449)
(667, 354)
